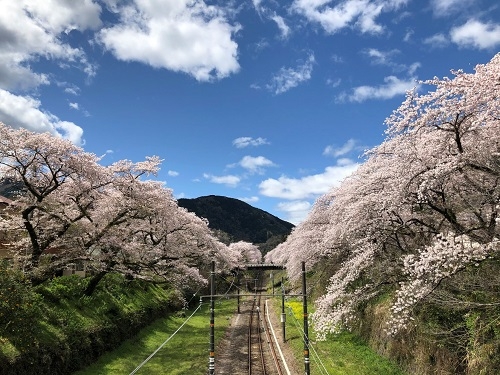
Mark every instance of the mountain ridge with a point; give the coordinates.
(238, 220)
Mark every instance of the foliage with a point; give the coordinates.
(68, 331)
(18, 305)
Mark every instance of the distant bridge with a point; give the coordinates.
(264, 266)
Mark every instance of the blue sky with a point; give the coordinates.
(271, 102)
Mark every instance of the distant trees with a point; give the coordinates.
(248, 252)
(423, 207)
(73, 209)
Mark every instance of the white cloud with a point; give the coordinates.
(33, 29)
(392, 87)
(381, 57)
(361, 14)
(288, 78)
(284, 28)
(228, 180)
(252, 199)
(437, 40)
(74, 105)
(179, 35)
(295, 211)
(476, 34)
(173, 173)
(25, 112)
(385, 58)
(442, 8)
(342, 150)
(242, 142)
(255, 164)
(308, 186)
(333, 82)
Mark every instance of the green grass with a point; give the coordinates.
(342, 354)
(186, 352)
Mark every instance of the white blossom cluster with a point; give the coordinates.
(335, 309)
(443, 258)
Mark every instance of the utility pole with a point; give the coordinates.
(306, 324)
(211, 360)
(283, 315)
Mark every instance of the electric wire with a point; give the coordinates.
(322, 367)
(167, 340)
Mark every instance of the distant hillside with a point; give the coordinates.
(239, 220)
(9, 188)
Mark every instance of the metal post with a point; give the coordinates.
(283, 315)
(211, 360)
(306, 324)
(238, 300)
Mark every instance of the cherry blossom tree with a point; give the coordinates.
(421, 209)
(73, 209)
(249, 253)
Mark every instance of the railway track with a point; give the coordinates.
(262, 356)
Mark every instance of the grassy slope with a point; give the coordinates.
(53, 329)
(342, 354)
(185, 353)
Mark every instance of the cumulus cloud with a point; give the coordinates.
(295, 211)
(33, 29)
(255, 164)
(173, 173)
(308, 186)
(243, 142)
(476, 34)
(228, 180)
(24, 111)
(179, 35)
(335, 16)
(288, 78)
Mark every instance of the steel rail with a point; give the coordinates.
(272, 347)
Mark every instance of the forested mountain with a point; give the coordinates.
(239, 221)
(10, 188)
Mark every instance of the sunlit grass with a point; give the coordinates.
(342, 354)
(187, 352)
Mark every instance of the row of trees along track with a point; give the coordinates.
(262, 357)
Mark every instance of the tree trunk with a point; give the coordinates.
(93, 283)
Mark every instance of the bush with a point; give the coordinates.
(18, 306)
